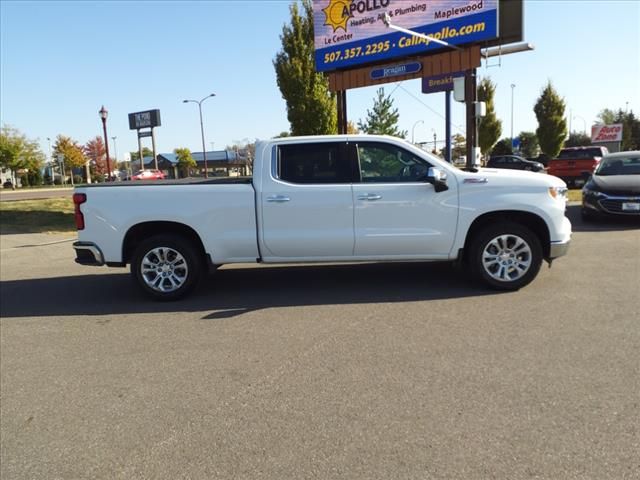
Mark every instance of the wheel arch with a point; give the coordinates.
(141, 231)
(533, 222)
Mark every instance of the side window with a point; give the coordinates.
(307, 163)
(383, 163)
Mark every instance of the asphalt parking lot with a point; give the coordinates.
(397, 371)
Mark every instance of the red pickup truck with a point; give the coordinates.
(575, 164)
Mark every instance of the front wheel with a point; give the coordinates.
(166, 267)
(506, 256)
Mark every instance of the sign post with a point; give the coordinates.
(147, 119)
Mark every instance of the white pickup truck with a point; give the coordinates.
(345, 198)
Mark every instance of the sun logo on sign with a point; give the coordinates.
(337, 13)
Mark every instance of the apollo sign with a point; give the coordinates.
(606, 133)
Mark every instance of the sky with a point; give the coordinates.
(60, 61)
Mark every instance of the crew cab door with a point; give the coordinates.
(397, 213)
(307, 203)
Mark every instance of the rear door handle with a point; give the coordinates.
(370, 197)
(278, 198)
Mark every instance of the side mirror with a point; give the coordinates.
(438, 178)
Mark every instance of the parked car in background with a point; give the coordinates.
(614, 188)
(148, 175)
(575, 164)
(514, 162)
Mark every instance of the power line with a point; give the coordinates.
(399, 85)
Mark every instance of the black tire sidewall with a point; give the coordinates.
(179, 244)
(481, 240)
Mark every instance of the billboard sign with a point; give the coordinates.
(606, 133)
(147, 119)
(352, 32)
(439, 83)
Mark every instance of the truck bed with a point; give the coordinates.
(181, 181)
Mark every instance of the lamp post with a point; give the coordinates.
(435, 141)
(204, 150)
(413, 130)
(103, 115)
(115, 151)
(51, 162)
(513, 86)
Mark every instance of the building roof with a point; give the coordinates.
(218, 156)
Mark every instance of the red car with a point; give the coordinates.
(149, 175)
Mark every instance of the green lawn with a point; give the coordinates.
(37, 216)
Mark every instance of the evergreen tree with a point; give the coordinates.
(489, 128)
(383, 120)
(311, 108)
(529, 146)
(552, 126)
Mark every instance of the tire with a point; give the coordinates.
(505, 256)
(166, 267)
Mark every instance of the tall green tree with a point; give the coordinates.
(552, 125)
(489, 127)
(311, 107)
(529, 146)
(185, 161)
(383, 119)
(71, 152)
(17, 152)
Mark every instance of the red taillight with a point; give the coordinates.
(79, 199)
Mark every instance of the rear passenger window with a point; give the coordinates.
(324, 162)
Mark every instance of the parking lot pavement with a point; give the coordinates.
(365, 371)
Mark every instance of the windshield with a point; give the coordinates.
(580, 153)
(619, 166)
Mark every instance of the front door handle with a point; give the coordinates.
(278, 198)
(370, 197)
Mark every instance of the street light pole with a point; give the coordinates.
(204, 150)
(115, 149)
(513, 86)
(103, 115)
(51, 162)
(413, 130)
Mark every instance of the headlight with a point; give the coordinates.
(589, 189)
(559, 193)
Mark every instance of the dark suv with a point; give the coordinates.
(514, 163)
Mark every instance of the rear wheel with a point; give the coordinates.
(506, 256)
(166, 267)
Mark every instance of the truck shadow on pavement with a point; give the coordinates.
(234, 291)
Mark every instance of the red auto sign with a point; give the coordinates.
(606, 133)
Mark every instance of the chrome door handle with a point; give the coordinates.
(370, 197)
(278, 198)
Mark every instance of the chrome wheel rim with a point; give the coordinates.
(506, 258)
(164, 269)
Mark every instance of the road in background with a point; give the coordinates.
(360, 371)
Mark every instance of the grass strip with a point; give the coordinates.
(37, 216)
